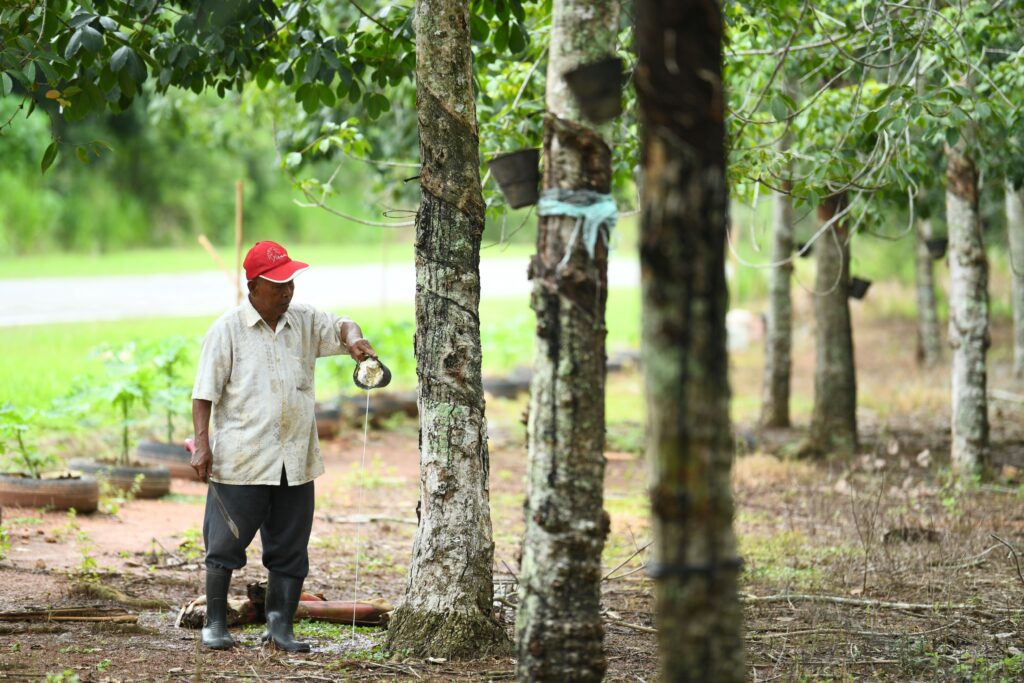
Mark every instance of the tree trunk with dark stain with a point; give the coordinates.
(929, 339)
(447, 609)
(968, 316)
(559, 634)
(834, 418)
(682, 256)
(1015, 236)
(779, 338)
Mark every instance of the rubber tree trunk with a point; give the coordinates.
(834, 418)
(929, 339)
(682, 256)
(968, 316)
(559, 634)
(779, 339)
(447, 609)
(1015, 235)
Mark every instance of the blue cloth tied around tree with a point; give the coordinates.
(595, 214)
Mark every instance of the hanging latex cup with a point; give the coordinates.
(370, 373)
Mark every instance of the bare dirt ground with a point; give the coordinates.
(878, 568)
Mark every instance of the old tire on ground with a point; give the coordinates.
(172, 456)
(156, 480)
(81, 493)
(328, 421)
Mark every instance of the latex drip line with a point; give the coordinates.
(359, 509)
(595, 213)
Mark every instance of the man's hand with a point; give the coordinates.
(360, 349)
(352, 336)
(202, 458)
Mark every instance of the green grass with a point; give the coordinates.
(43, 362)
(195, 259)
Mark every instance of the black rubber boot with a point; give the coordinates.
(215, 633)
(283, 594)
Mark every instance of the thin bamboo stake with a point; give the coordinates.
(238, 242)
(205, 243)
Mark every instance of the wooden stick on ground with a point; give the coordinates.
(115, 614)
(1013, 551)
(858, 602)
(626, 561)
(98, 590)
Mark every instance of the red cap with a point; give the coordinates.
(270, 261)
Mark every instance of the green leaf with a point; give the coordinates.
(517, 39)
(120, 58)
(82, 154)
(263, 75)
(326, 95)
(48, 157)
(501, 38)
(779, 109)
(478, 28)
(982, 111)
(74, 45)
(310, 100)
(952, 136)
(81, 19)
(312, 68)
(882, 95)
(5, 84)
(293, 160)
(377, 104)
(137, 68)
(92, 41)
(870, 121)
(517, 9)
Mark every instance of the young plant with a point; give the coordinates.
(167, 357)
(131, 383)
(15, 423)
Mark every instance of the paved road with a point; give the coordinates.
(51, 300)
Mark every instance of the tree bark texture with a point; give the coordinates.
(1015, 235)
(968, 315)
(779, 340)
(685, 298)
(559, 634)
(929, 338)
(834, 418)
(447, 610)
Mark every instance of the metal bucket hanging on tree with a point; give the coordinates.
(518, 176)
(597, 88)
(858, 287)
(937, 247)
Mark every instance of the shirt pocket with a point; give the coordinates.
(302, 373)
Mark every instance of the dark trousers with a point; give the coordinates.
(283, 515)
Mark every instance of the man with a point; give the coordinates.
(256, 378)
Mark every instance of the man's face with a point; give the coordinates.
(271, 299)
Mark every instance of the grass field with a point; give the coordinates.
(195, 259)
(388, 246)
(43, 362)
